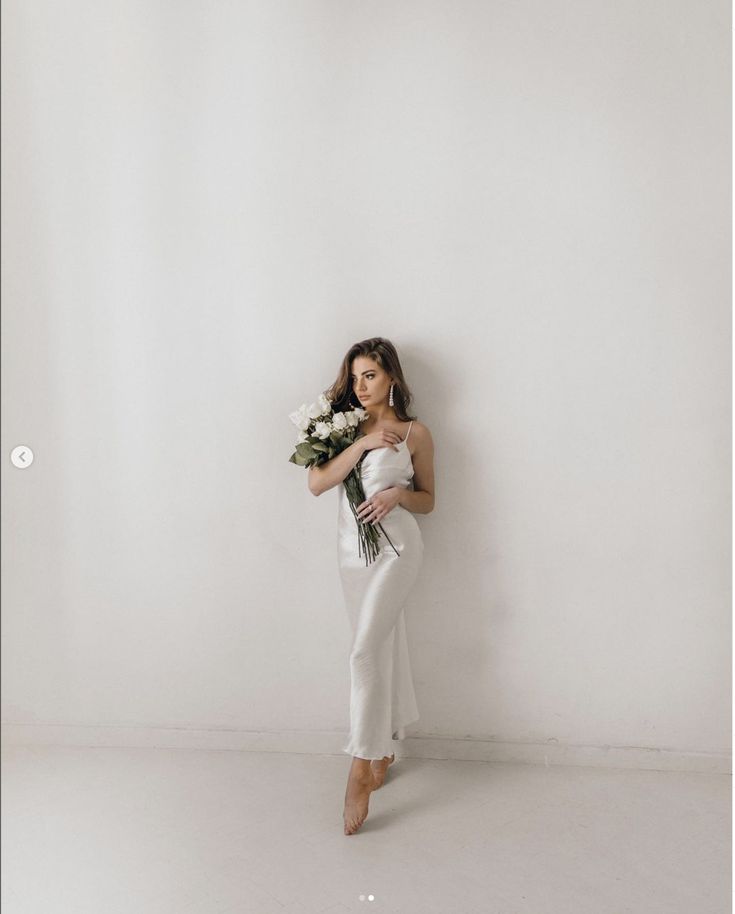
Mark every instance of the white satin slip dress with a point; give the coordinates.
(382, 697)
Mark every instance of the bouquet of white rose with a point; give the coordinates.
(322, 435)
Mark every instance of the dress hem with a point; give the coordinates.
(398, 734)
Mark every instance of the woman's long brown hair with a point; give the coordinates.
(384, 353)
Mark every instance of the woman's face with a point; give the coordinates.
(370, 383)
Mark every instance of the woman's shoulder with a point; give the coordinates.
(418, 426)
(421, 431)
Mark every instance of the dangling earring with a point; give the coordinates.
(390, 398)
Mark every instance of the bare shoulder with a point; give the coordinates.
(421, 431)
(423, 442)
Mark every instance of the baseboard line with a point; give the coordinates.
(415, 745)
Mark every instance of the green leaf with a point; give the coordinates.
(304, 449)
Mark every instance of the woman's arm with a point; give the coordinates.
(421, 499)
(331, 473)
(418, 502)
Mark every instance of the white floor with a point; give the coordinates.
(106, 831)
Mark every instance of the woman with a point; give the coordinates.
(392, 449)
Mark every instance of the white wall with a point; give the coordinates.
(205, 204)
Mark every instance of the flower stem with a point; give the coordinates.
(368, 536)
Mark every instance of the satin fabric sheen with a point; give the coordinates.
(382, 697)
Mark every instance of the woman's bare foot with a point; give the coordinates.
(357, 795)
(379, 768)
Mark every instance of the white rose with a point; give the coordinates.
(324, 404)
(322, 430)
(300, 418)
(339, 421)
(314, 411)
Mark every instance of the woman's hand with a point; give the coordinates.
(374, 509)
(384, 437)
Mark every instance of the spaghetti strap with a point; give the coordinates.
(409, 431)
